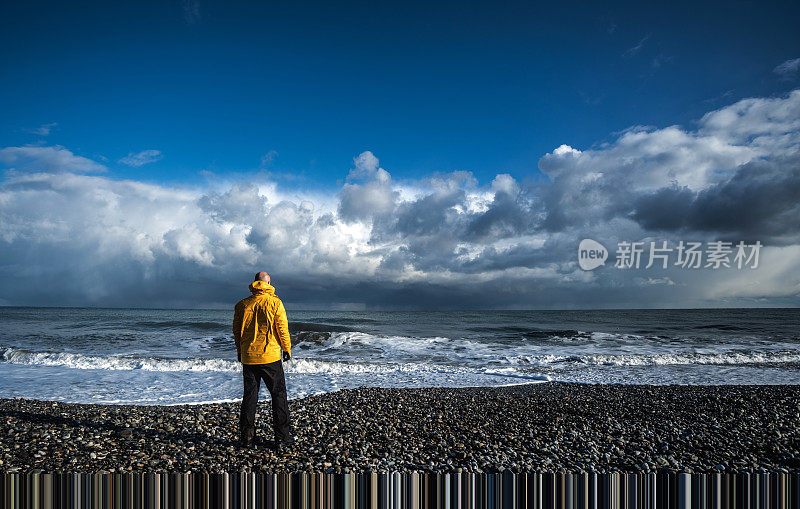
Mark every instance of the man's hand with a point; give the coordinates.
(286, 357)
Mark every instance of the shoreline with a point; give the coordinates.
(532, 427)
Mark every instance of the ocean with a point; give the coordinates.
(141, 356)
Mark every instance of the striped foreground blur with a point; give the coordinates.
(406, 490)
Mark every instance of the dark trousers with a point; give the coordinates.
(272, 374)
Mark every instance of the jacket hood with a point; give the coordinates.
(260, 287)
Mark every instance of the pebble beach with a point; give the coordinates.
(546, 427)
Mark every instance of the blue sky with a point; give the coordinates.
(395, 155)
(483, 87)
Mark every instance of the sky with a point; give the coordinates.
(396, 155)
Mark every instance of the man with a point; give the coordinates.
(261, 330)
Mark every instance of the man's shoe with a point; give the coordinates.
(247, 439)
(283, 446)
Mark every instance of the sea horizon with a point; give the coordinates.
(440, 310)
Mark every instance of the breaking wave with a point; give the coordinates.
(116, 362)
(387, 364)
(743, 358)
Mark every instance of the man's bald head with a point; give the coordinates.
(262, 276)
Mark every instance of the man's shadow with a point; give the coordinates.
(120, 431)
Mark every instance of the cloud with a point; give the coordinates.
(655, 281)
(442, 241)
(649, 176)
(268, 158)
(368, 193)
(788, 67)
(760, 201)
(141, 158)
(43, 130)
(634, 50)
(55, 159)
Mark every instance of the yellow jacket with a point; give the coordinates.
(260, 328)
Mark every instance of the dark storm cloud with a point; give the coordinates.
(431, 215)
(762, 199)
(510, 214)
(665, 209)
